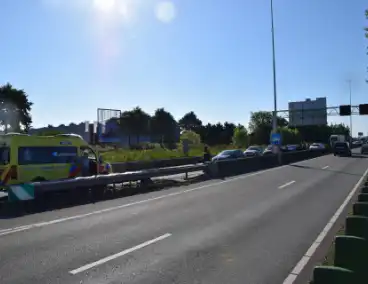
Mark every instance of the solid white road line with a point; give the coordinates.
(326, 167)
(9, 231)
(312, 249)
(114, 256)
(286, 184)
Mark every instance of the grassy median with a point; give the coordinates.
(126, 155)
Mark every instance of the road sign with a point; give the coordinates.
(275, 138)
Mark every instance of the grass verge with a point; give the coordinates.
(126, 155)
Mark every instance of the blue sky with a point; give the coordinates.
(210, 56)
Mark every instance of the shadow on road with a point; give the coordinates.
(325, 170)
(359, 156)
(62, 200)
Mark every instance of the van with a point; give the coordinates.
(25, 158)
(342, 148)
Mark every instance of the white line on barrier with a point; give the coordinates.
(325, 167)
(312, 249)
(286, 184)
(9, 231)
(120, 254)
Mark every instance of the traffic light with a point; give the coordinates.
(345, 110)
(363, 109)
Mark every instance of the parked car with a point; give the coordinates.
(229, 154)
(364, 149)
(294, 147)
(317, 146)
(253, 151)
(341, 148)
(268, 150)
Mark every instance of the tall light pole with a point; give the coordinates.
(351, 116)
(274, 117)
(274, 120)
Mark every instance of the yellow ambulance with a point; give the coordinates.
(28, 158)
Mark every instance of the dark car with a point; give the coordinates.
(364, 149)
(229, 154)
(341, 149)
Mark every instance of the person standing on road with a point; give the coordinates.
(206, 154)
(85, 164)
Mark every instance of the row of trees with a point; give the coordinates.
(162, 126)
(260, 127)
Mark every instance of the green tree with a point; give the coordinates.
(260, 126)
(15, 109)
(339, 129)
(135, 122)
(240, 137)
(321, 133)
(227, 133)
(192, 137)
(163, 126)
(190, 121)
(289, 135)
(261, 119)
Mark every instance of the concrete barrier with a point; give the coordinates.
(351, 250)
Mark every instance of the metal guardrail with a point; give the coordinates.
(35, 190)
(145, 165)
(216, 169)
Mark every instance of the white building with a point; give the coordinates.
(308, 112)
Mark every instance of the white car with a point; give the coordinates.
(253, 151)
(317, 146)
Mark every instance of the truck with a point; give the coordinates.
(338, 138)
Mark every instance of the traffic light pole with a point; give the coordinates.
(351, 117)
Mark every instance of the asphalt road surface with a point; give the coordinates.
(248, 229)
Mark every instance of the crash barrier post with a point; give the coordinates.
(350, 250)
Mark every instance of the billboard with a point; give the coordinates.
(108, 128)
(308, 112)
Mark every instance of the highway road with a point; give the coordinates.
(249, 229)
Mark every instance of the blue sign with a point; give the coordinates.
(275, 138)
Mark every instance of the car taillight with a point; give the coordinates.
(13, 172)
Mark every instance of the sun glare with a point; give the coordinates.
(104, 5)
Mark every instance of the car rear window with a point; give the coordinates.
(341, 145)
(46, 155)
